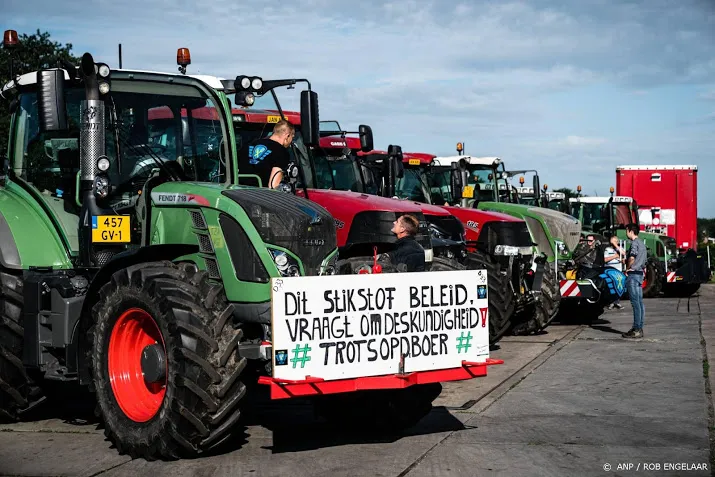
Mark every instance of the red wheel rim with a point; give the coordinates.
(134, 330)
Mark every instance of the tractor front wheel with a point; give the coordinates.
(500, 296)
(163, 361)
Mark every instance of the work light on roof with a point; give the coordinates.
(9, 39)
(256, 83)
(244, 82)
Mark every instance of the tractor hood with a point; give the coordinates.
(363, 219)
(562, 226)
(341, 199)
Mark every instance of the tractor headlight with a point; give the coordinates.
(101, 186)
(256, 83)
(287, 266)
(103, 87)
(103, 163)
(506, 250)
(103, 70)
(561, 248)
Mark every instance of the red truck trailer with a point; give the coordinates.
(667, 198)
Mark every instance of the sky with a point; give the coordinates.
(570, 89)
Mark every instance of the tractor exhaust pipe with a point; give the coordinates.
(91, 147)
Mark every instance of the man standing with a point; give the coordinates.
(268, 157)
(635, 268)
(612, 257)
(407, 250)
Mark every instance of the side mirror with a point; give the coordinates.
(309, 120)
(51, 100)
(456, 182)
(394, 154)
(537, 189)
(366, 144)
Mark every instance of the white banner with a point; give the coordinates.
(347, 326)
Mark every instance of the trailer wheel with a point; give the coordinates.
(163, 360)
(653, 279)
(500, 296)
(17, 389)
(378, 411)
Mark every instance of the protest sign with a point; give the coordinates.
(347, 326)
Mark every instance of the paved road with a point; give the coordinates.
(569, 402)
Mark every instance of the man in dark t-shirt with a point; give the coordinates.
(268, 157)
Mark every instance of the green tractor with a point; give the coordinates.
(666, 269)
(125, 268)
(483, 182)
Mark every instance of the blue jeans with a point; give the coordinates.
(634, 285)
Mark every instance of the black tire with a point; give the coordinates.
(378, 411)
(203, 388)
(500, 295)
(550, 294)
(17, 389)
(654, 274)
(442, 264)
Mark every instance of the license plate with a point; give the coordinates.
(414, 162)
(111, 228)
(273, 119)
(467, 192)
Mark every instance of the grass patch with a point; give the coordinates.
(706, 368)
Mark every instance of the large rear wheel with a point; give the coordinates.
(500, 295)
(164, 363)
(17, 389)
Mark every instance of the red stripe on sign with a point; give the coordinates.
(671, 277)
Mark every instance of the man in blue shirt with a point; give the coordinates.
(635, 269)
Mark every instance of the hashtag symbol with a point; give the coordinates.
(297, 355)
(463, 342)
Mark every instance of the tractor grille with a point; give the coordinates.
(212, 268)
(291, 222)
(514, 234)
(197, 219)
(205, 245)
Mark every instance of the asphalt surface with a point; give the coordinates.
(577, 400)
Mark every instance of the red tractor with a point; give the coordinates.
(496, 242)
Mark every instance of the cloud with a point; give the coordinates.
(580, 141)
(426, 74)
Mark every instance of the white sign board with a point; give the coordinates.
(348, 326)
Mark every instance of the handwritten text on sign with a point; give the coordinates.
(346, 326)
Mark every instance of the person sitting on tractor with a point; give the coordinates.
(268, 157)
(407, 251)
(588, 258)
